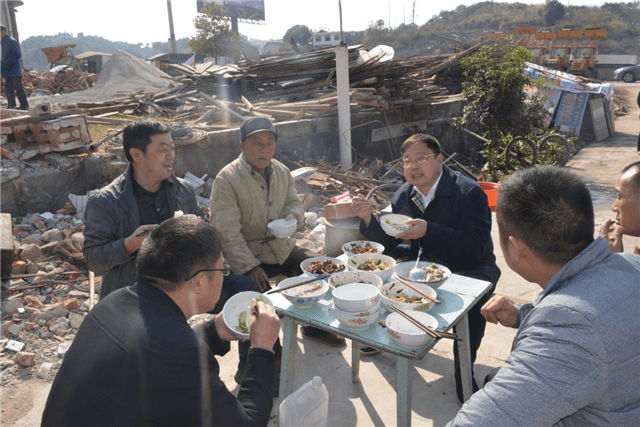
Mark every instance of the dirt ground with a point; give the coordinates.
(22, 399)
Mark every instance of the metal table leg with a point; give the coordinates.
(355, 362)
(464, 352)
(403, 384)
(290, 332)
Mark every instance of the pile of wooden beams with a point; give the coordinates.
(62, 82)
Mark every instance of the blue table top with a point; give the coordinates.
(456, 294)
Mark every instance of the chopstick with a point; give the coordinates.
(433, 334)
(304, 282)
(419, 291)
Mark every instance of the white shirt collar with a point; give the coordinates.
(426, 199)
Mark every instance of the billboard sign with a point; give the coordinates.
(241, 9)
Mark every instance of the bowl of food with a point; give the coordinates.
(362, 247)
(358, 320)
(356, 297)
(351, 276)
(282, 228)
(303, 296)
(405, 333)
(393, 224)
(435, 274)
(378, 264)
(406, 298)
(237, 310)
(321, 266)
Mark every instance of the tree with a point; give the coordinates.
(553, 12)
(213, 34)
(300, 34)
(495, 101)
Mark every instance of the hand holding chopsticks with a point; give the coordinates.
(418, 290)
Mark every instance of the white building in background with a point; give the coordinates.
(324, 38)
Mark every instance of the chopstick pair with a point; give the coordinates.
(418, 290)
(433, 334)
(304, 282)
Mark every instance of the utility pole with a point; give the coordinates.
(413, 13)
(174, 49)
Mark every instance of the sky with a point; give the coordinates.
(146, 21)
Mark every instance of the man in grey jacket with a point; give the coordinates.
(575, 359)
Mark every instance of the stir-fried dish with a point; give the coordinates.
(324, 267)
(373, 265)
(435, 274)
(242, 323)
(359, 248)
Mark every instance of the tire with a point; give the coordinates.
(629, 77)
(521, 153)
(554, 149)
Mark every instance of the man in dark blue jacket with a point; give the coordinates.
(136, 361)
(451, 223)
(11, 70)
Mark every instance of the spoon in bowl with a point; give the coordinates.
(418, 273)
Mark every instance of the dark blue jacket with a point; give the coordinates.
(11, 55)
(458, 227)
(136, 362)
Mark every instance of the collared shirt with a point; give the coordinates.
(153, 207)
(431, 194)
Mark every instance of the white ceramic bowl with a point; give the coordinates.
(237, 304)
(304, 296)
(282, 228)
(406, 333)
(353, 276)
(356, 297)
(355, 320)
(392, 224)
(356, 262)
(363, 313)
(349, 248)
(304, 264)
(402, 270)
(395, 289)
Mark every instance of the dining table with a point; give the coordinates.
(457, 295)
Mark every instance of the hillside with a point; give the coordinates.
(465, 23)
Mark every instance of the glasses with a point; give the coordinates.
(406, 163)
(225, 272)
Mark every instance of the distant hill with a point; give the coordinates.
(34, 59)
(467, 23)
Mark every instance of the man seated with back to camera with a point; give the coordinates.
(451, 222)
(575, 359)
(145, 195)
(136, 361)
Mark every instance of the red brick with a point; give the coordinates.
(70, 208)
(31, 253)
(25, 358)
(71, 303)
(32, 301)
(31, 241)
(39, 223)
(19, 267)
(29, 326)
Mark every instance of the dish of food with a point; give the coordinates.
(362, 248)
(401, 296)
(324, 267)
(373, 265)
(435, 273)
(242, 323)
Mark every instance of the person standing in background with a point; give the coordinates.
(11, 70)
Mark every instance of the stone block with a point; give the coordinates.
(19, 267)
(53, 235)
(15, 329)
(39, 223)
(75, 320)
(44, 370)
(25, 358)
(31, 253)
(59, 327)
(32, 301)
(11, 306)
(50, 311)
(4, 328)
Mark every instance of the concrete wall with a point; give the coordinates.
(309, 141)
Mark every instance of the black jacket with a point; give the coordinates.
(136, 361)
(458, 227)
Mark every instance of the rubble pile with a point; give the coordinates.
(46, 296)
(58, 82)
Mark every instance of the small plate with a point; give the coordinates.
(403, 269)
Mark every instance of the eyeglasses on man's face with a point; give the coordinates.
(225, 271)
(406, 162)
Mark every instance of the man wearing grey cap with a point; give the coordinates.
(247, 194)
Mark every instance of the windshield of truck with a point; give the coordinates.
(583, 51)
(558, 52)
(535, 52)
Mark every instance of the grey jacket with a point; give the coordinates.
(576, 356)
(112, 216)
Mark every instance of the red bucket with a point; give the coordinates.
(491, 190)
